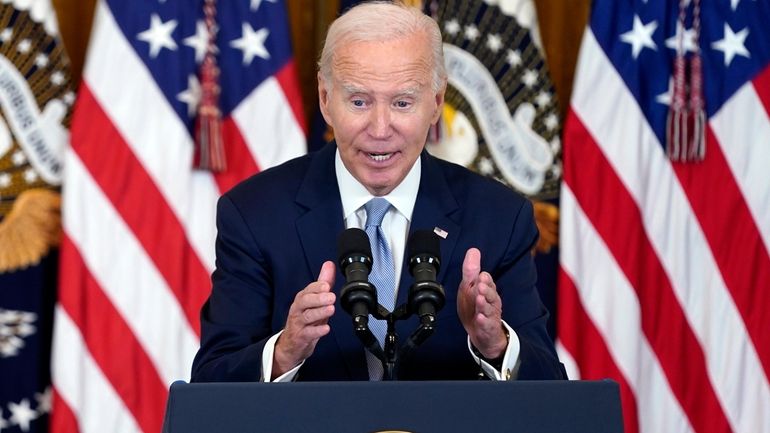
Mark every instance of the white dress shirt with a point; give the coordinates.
(395, 225)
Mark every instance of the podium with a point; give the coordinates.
(419, 407)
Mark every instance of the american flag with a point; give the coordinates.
(665, 270)
(138, 220)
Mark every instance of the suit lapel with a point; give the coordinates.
(434, 208)
(318, 230)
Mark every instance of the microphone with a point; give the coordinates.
(426, 295)
(358, 296)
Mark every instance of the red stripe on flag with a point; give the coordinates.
(762, 87)
(584, 342)
(663, 321)
(287, 78)
(141, 205)
(734, 239)
(240, 162)
(110, 341)
(62, 418)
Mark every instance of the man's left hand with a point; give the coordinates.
(480, 308)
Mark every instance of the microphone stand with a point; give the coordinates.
(391, 355)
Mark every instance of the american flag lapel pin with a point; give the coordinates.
(441, 232)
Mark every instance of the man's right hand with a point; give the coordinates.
(306, 323)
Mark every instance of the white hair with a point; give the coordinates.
(383, 21)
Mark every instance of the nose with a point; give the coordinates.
(380, 122)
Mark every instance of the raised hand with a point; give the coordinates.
(480, 308)
(306, 323)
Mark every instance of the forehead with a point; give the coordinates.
(398, 62)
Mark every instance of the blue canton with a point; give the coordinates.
(253, 44)
(639, 38)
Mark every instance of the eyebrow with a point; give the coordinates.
(351, 89)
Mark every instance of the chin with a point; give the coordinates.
(380, 186)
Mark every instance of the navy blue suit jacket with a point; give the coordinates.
(277, 228)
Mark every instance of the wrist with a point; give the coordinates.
(494, 354)
(282, 362)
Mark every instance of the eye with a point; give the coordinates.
(403, 104)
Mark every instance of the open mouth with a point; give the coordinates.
(379, 157)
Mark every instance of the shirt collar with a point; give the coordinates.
(354, 195)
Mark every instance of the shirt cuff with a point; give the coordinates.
(509, 369)
(267, 363)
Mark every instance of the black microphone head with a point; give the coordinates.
(353, 242)
(424, 242)
(426, 295)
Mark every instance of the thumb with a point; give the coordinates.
(327, 274)
(471, 265)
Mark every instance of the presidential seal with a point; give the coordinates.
(35, 106)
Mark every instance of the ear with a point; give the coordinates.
(323, 98)
(439, 103)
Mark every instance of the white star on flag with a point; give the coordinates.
(494, 43)
(41, 60)
(514, 57)
(199, 41)
(486, 167)
(21, 414)
(255, 4)
(555, 146)
(18, 158)
(44, 400)
(24, 46)
(30, 175)
(640, 36)
(665, 97)
(551, 122)
(556, 169)
(689, 44)
(57, 78)
(158, 35)
(542, 99)
(732, 44)
(452, 27)
(252, 43)
(529, 78)
(191, 96)
(471, 32)
(69, 98)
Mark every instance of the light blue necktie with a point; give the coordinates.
(383, 275)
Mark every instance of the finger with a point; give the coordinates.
(327, 274)
(317, 316)
(471, 265)
(316, 331)
(483, 306)
(487, 325)
(487, 288)
(313, 299)
(315, 287)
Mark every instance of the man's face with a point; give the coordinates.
(380, 104)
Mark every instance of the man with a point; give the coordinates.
(381, 86)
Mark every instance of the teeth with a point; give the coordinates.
(380, 156)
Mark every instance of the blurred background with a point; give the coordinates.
(638, 128)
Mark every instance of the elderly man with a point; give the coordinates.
(274, 312)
